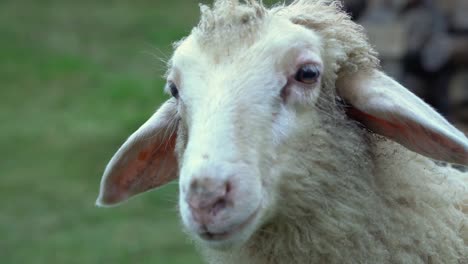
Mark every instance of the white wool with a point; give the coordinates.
(374, 203)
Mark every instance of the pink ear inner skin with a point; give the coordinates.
(143, 155)
(413, 136)
(150, 168)
(375, 123)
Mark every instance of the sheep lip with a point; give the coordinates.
(210, 236)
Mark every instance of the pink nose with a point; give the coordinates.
(207, 198)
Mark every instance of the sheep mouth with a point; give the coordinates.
(221, 236)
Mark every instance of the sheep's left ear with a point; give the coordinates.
(389, 109)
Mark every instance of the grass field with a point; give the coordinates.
(76, 78)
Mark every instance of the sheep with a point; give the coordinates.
(292, 146)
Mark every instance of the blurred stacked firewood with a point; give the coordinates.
(423, 44)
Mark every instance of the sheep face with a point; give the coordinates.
(254, 108)
(235, 112)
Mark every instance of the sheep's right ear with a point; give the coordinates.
(145, 161)
(389, 109)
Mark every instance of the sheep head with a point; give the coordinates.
(250, 87)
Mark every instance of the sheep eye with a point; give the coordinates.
(173, 89)
(307, 74)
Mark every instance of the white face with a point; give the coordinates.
(236, 111)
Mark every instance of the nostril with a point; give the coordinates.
(205, 215)
(228, 187)
(207, 198)
(218, 206)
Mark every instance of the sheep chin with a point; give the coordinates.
(234, 237)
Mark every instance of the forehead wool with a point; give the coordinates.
(230, 24)
(230, 27)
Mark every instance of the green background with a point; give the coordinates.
(76, 78)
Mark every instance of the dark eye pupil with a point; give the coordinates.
(174, 91)
(307, 74)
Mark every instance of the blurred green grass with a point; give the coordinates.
(76, 78)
